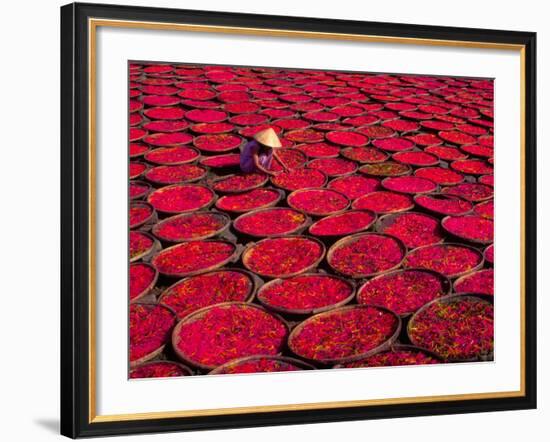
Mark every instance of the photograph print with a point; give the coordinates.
(295, 219)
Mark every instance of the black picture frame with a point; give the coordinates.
(75, 195)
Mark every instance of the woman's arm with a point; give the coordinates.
(260, 167)
(281, 162)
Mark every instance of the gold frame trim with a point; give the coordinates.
(93, 24)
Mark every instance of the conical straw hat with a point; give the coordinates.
(268, 138)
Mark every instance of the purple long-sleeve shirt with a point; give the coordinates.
(247, 157)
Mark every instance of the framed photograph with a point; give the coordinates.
(274, 220)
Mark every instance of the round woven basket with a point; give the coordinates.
(153, 354)
(195, 316)
(281, 195)
(225, 219)
(232, 258)
(149, 287)
(295, 231)
(383, 346)
(456, 275)
(349, 239)
(292, 195)
(464, 238)
(336, 236)
(246, 257)
(255, 281)
(386, 221)
(183, 368)
(301, 312)
(402, 347)
(444, 299)
(445, 284)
